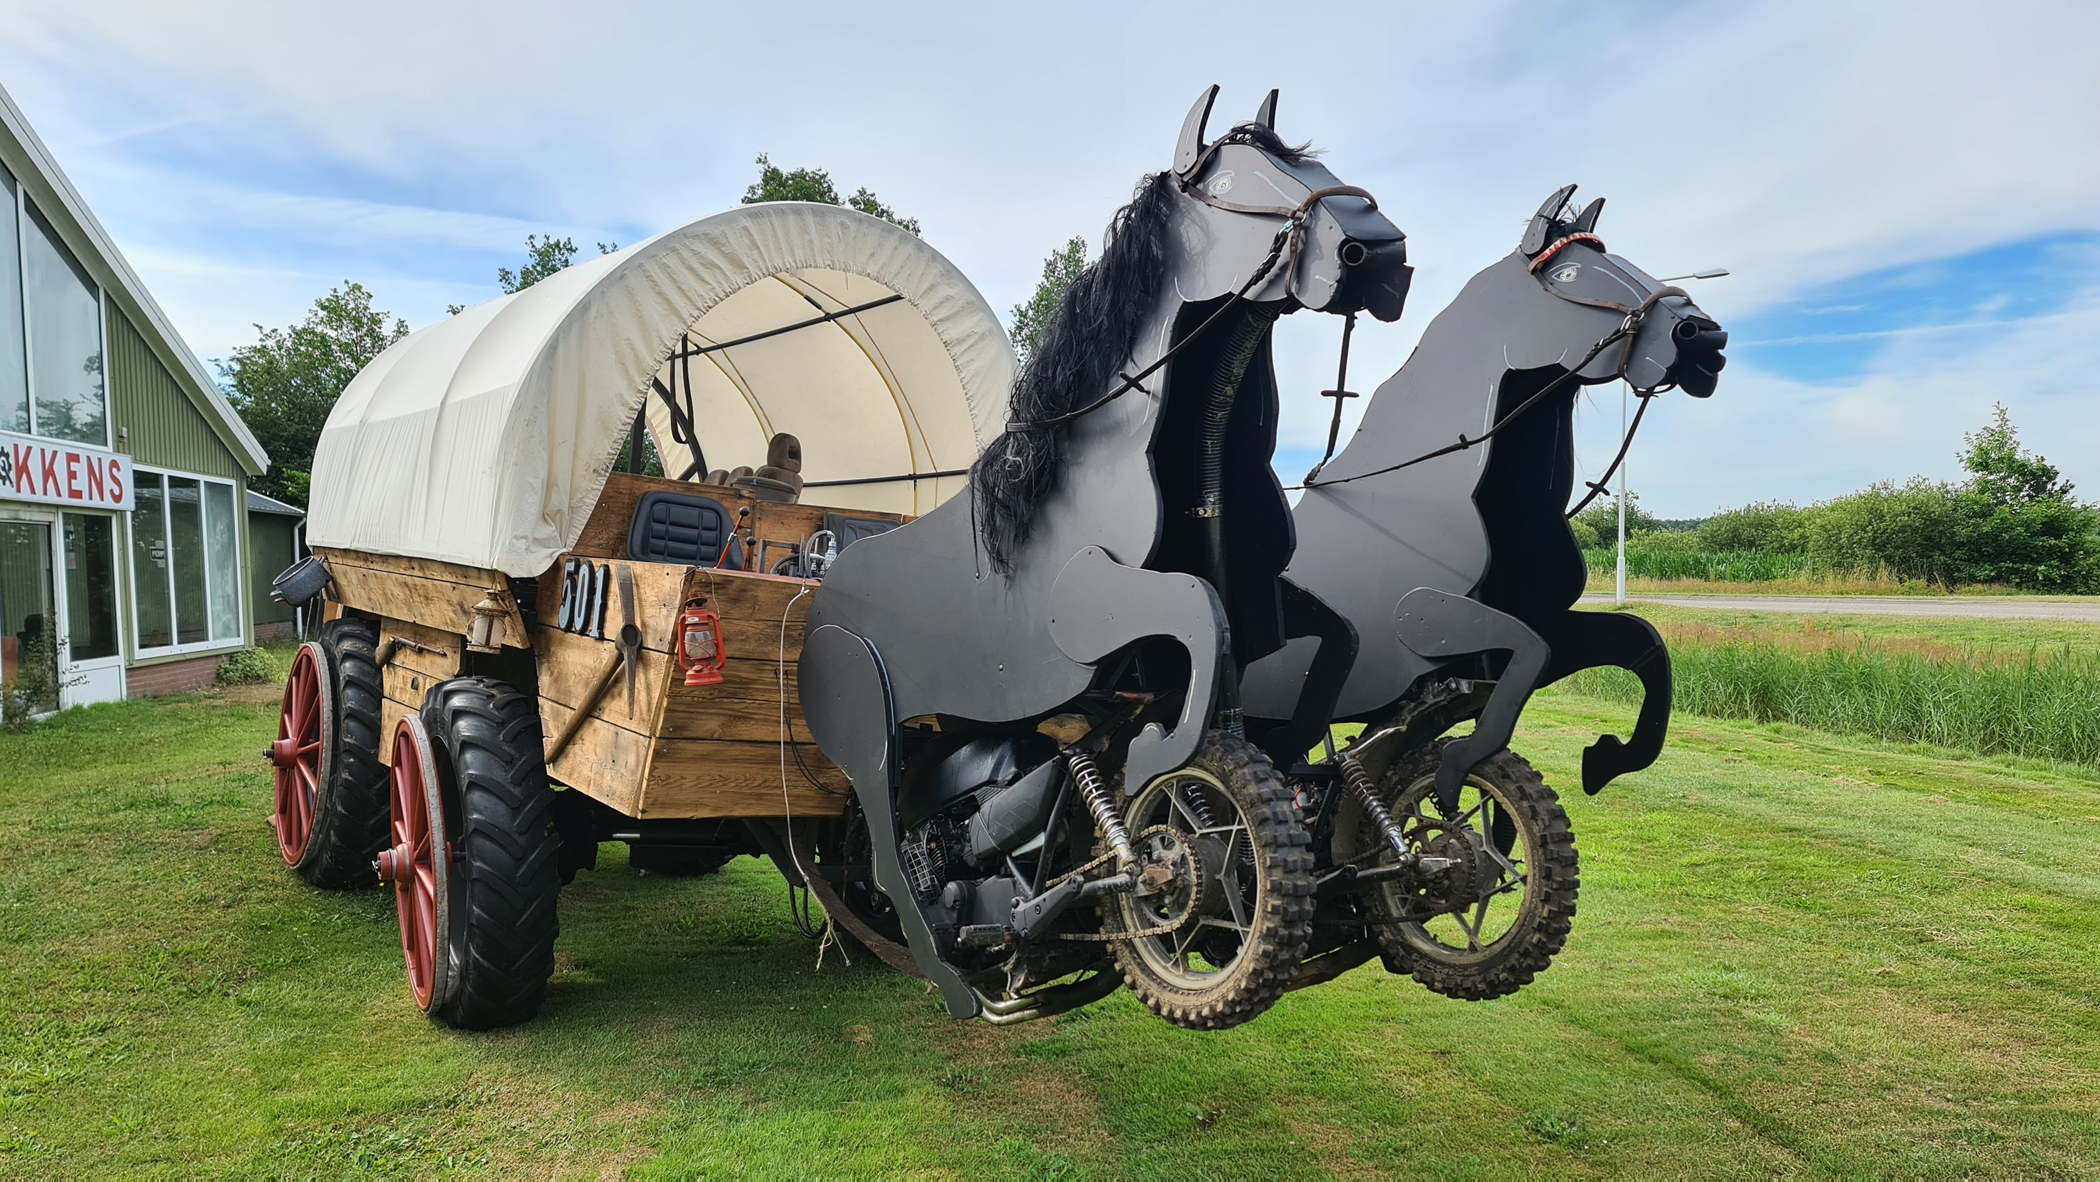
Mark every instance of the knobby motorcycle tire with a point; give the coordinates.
(1549, 910)
(1263, 972)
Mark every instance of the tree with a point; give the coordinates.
(285, 384)
(2017, 521)
(814, 184)
(2003, 471)
(1033, 318)
(1603, 517)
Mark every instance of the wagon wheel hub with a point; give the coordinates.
(284, 753)
(396, 864)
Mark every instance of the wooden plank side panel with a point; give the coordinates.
(570, 665)
(606, 762)
(697, 778)
(433, 654)
(391, 711)
(437, 595)
(746, 706)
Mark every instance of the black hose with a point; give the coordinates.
(1248, 332)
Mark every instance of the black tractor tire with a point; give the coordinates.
(1264, 961)
(350, 810)
(1528, 810)
(506, 874)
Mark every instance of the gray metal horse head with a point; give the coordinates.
(1352, 258)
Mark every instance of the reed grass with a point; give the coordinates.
(2042, 704)
(1714, 566)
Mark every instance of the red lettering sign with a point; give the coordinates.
(33, 469)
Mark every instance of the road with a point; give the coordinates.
(2006, 608)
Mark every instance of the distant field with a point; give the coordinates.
(1795, 954)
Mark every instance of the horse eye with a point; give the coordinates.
(1566, 274)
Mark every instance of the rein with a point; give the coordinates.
(1627, 330)
(1291, 233)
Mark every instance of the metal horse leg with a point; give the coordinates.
(845, 692)
(1306, 614)
(1585, 640)
(1439, 625)
(1098, 605)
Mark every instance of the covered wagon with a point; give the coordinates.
(527, 652)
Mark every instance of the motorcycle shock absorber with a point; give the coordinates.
(1093, 788)
(1366, 794)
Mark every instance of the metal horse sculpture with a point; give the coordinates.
(1441, 530)
(1142, 426)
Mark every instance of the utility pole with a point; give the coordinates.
(1623, 465)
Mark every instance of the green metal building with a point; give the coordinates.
(130, 561)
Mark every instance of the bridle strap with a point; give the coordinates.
(1292, 230)
(1555, 249)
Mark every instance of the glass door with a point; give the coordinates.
(31, 656)
(94, 663)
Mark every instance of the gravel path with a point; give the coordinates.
(2007, 608)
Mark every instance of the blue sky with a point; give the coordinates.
(1908, 196)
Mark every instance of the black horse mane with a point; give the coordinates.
(1088, 336)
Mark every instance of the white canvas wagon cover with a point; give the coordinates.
(485, 439)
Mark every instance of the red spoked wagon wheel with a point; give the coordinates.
(419, 863)
(305, 733)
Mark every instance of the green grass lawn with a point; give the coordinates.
(1794, 954)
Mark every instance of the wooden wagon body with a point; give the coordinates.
(737, 749)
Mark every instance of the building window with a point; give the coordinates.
(65, 337)
(14, 363)
(52, 379)
(185, 562)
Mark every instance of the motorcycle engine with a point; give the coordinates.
(944, 789)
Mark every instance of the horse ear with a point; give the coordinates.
(1542, 222)
(1190, 149)
(1586, 221)
(1266, 113)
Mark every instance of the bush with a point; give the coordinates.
(1907, 529)
(2013, 522)
(1770, 526)
(1603, 518)
(1664, 541)
(246, 667)
(1585, 534)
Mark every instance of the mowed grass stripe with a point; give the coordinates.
(1795, 952)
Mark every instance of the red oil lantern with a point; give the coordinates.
(700, 644)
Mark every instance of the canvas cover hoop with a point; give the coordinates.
(485, 439)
